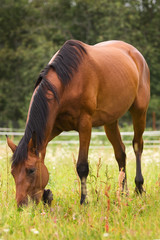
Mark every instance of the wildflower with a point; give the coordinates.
(6, 230)
(43, 213)
(56, 235)
(35, 231)
(105, 234)
(74, 216)
(55, 219)
(107, 226)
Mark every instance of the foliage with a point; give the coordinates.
(33, 30)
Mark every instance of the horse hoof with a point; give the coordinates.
(83, 200)
(125, 193)
(47, 197)
(139, 190)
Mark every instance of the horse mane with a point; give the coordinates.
(37, 121)
(67, 60)
(65, 64)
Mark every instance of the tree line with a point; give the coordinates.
(31, 31)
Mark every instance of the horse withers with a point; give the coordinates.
(82, 87)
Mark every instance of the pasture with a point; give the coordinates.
(106, 216)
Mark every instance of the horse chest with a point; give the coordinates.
(67, 121)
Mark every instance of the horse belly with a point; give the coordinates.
(118, 86)
(112, 105)
(110, 112)
(115, 97)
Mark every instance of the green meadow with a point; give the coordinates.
(107, 215)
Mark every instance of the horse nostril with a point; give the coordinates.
(22, 203)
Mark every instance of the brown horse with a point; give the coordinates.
(82, 87)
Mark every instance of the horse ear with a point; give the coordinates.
(11, 144)
(32, 146)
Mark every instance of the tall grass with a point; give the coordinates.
(104, 217)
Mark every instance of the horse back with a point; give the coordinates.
(108, 82)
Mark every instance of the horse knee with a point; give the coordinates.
(82, 170)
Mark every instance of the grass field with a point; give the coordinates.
(106, 216)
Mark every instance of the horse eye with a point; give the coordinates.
(30, 171)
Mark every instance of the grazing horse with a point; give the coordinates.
(82, 87)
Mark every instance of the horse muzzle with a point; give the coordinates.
(22, 203)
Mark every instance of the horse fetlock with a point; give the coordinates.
(139, 180)
(82, 170)
(139, 184)
(83, 200)
(83, 186)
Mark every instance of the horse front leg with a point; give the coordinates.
(85, 127)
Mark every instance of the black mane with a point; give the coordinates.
(68, 60)
(37, 121)
(65, 64)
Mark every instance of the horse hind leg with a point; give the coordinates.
(113, 134)
(139, 123)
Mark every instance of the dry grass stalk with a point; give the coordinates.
(98, 167)
(75, 169)
(97, 176)
(107, 188)
(158, 181)
(7, 165)
(120, 189)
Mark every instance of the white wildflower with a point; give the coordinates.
(105, 234)
(74, 216)
(6, 230)
(35, 231)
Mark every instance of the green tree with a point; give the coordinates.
(33, 30)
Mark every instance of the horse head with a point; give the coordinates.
(31, 175)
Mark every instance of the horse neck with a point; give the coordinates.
(53, 78)
(53, 105)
